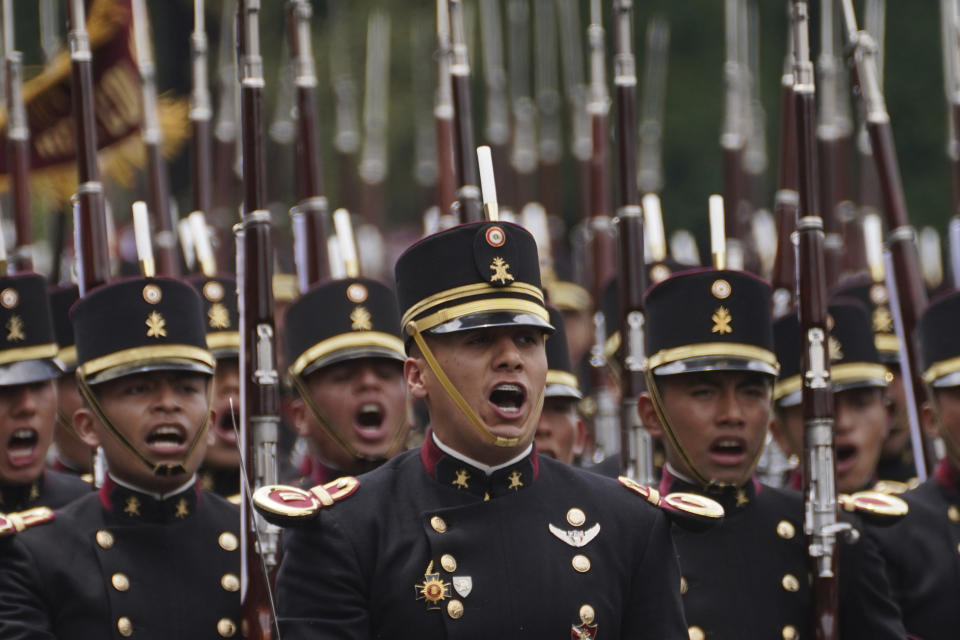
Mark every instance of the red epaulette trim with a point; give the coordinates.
(13, 523)
(287, 505)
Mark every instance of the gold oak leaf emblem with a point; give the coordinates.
(515, 482)
(882, 320)
(836, 349)
(15, 329)
(461, 480)
(132, 507)
(156, 325)
(360, 319)
(500, 273)
(182, 510)
(721, 321)
(34, 491)
(219, 316)
(742, 498)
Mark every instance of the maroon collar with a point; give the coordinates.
(448, 469)
(947, 476)
(131, 505)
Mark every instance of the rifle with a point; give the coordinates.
(547, 96)
(819, 487)
(424, 137)
(497, 127)
(650, 156)
(346, 137)
(310, 217)
(18, 144)
(443, 115)
(901, 239)
(577, 95)
(373, 154)
(259, 380)
(786, 200)
(468, 194)
(158, 188)
(523, 152)
(636, 446)
(225, 150)
(200, 114)
(733, 136)
(950, 22)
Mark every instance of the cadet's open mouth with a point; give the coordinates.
(370, 415)
(21, 445)
(167, 437)
(508, 398)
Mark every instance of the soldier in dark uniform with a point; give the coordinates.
(346, 358)
(150, 554)
(861, 408)
(923, 550)
(560, 432)
(711, 371)
(474, 535)
(28, 399)
(73, 455)
(220, 472)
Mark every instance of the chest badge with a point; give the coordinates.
(432, 590)
(576, 537)
(463, 585)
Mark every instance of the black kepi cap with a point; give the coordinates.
(28, 347)
(62, 297)
(561, 381)
(876, 297)
(940, 342)
(220, 314)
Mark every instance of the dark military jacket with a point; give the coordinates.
(431, 547)
(923, 557)
(120, 563)
(748, 577)
(52, 489)
(223, 482)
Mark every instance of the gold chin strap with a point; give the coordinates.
(462, 403)
(66, 423)
(953, 449)
(158, 468)
(707, 483)
(308, 400)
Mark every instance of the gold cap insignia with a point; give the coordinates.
(721, 321)
(836, 349)
(152, 294)
(360, 319)
(9, 298)
(156, 326)
(219, 316)
(882, 320)
(721, 289)
(15, 329)
(357, 293)
(500, 270)
(496, 237)
(213, 291)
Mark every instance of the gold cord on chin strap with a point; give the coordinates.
(462, 403)
(707, 483)
(395, 443)
(157, 468)
(66, 423)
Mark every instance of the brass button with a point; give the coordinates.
(226, 628)
(576, 517)
(228, 541)
(790, 583)
(230, 582)
(790, 632)
(786, 530)
(120, 581)
(104, 539)
(953, 513)
(696, 633)
(125, 627)
(455, 609)
(581, 563)
(587, 614)
(684, 586)
(448, 562)
(438, 524)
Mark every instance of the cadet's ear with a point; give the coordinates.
(83, 424)
(413, 371)
(928, 419)
(580, 438)
(648, 416)
(298, 411)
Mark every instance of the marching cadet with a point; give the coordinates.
(923, 550)
(346, 362)
(861, 408)
(711, 370)
(28, 399)
(73, 455)
(220, 471)
(474, 535)
(560, 432)
(151, 553)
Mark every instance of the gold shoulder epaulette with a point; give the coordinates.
(285, 505)
(87, 477)
(874, 507)
(12, 523)
(234, 499)
(895, 487)
(689, 511)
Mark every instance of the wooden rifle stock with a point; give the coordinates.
(90, 221)
(465, 156)
(819, 482)
(443, 116)
(18, 155)
(786, 200)
(200, 115)
(259, 380)
(901, 238)
(311, 216)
